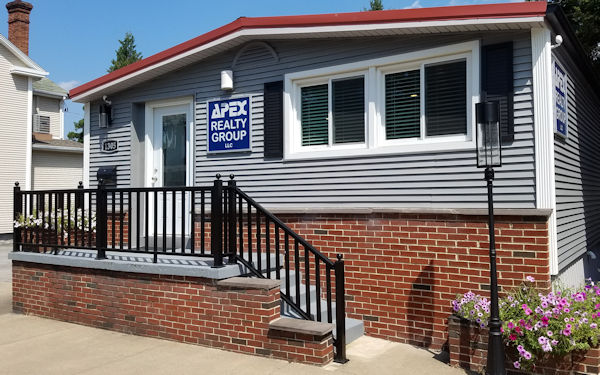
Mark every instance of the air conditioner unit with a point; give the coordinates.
(41, 124)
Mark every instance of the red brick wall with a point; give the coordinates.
(403, 270)
(186, 309)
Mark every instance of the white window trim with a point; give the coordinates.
(374, 71)
(298, 85)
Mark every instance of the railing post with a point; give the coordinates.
(340, 313)
(101, 221)
(216, 222)
(17, 211)
(79, 197)
(232, 219)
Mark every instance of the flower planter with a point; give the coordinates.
(467, 344)
(50, 238)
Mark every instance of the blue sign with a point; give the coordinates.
(561, 114)
(229, 125)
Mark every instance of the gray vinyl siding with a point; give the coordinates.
(120, 130)
(577, 175)
(442, 179)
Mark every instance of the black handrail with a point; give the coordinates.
(236, 234)
(283, 226)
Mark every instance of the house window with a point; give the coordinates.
(446, 98)
(403, 105)
(333, 119)
(444, 91)
(420, 101)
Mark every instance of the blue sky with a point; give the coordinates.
(75, 40)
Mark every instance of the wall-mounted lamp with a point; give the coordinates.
(105, 113)
(558, 39)
(227, 80)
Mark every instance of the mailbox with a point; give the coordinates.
(108, 174)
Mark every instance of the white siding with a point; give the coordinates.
(56, 170)
(13, 130)
(50, 107)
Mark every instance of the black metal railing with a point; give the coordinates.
(263, 242)
(157, 221)
(215, 221)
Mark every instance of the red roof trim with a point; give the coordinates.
(506, 10)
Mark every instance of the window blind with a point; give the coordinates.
(446, 98)
(314, 112)
(403, 105)
(348, 110)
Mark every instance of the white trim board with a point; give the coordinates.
(29, 134)
(544, 135)
(33, 67)
(86, 144)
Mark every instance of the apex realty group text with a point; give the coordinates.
(229, 125)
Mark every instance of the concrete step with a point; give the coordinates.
(354, 327)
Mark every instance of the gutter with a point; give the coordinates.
(44, 147)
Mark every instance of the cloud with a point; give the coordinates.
(68, 85)
(415, 4)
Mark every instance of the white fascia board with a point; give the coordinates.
(29, 72)
(43, 147)
(20, 54)
(49, 94)
(29, 134)
(289, 31)
(86, 145)
(545, 185)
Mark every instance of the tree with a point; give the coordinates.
(584, 17)
(77, 134)
(126, 54)
(375, 5)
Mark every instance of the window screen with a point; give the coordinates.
(403, 105)
(446, 98)
(314, 112)
(348, 110)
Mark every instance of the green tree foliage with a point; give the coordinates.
(126, 54)
(77, 134)
(584, 16)
(375, 5)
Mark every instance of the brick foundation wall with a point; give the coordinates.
(468, 350)
(185, 309)
(403, 270)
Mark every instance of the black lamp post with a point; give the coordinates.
(489, 155)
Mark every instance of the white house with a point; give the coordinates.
(34, 152)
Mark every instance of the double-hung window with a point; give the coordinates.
(429, 101)
(333, 113)
(416, 102)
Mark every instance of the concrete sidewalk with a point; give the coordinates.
(32, 345)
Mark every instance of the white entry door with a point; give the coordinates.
(172, 167)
